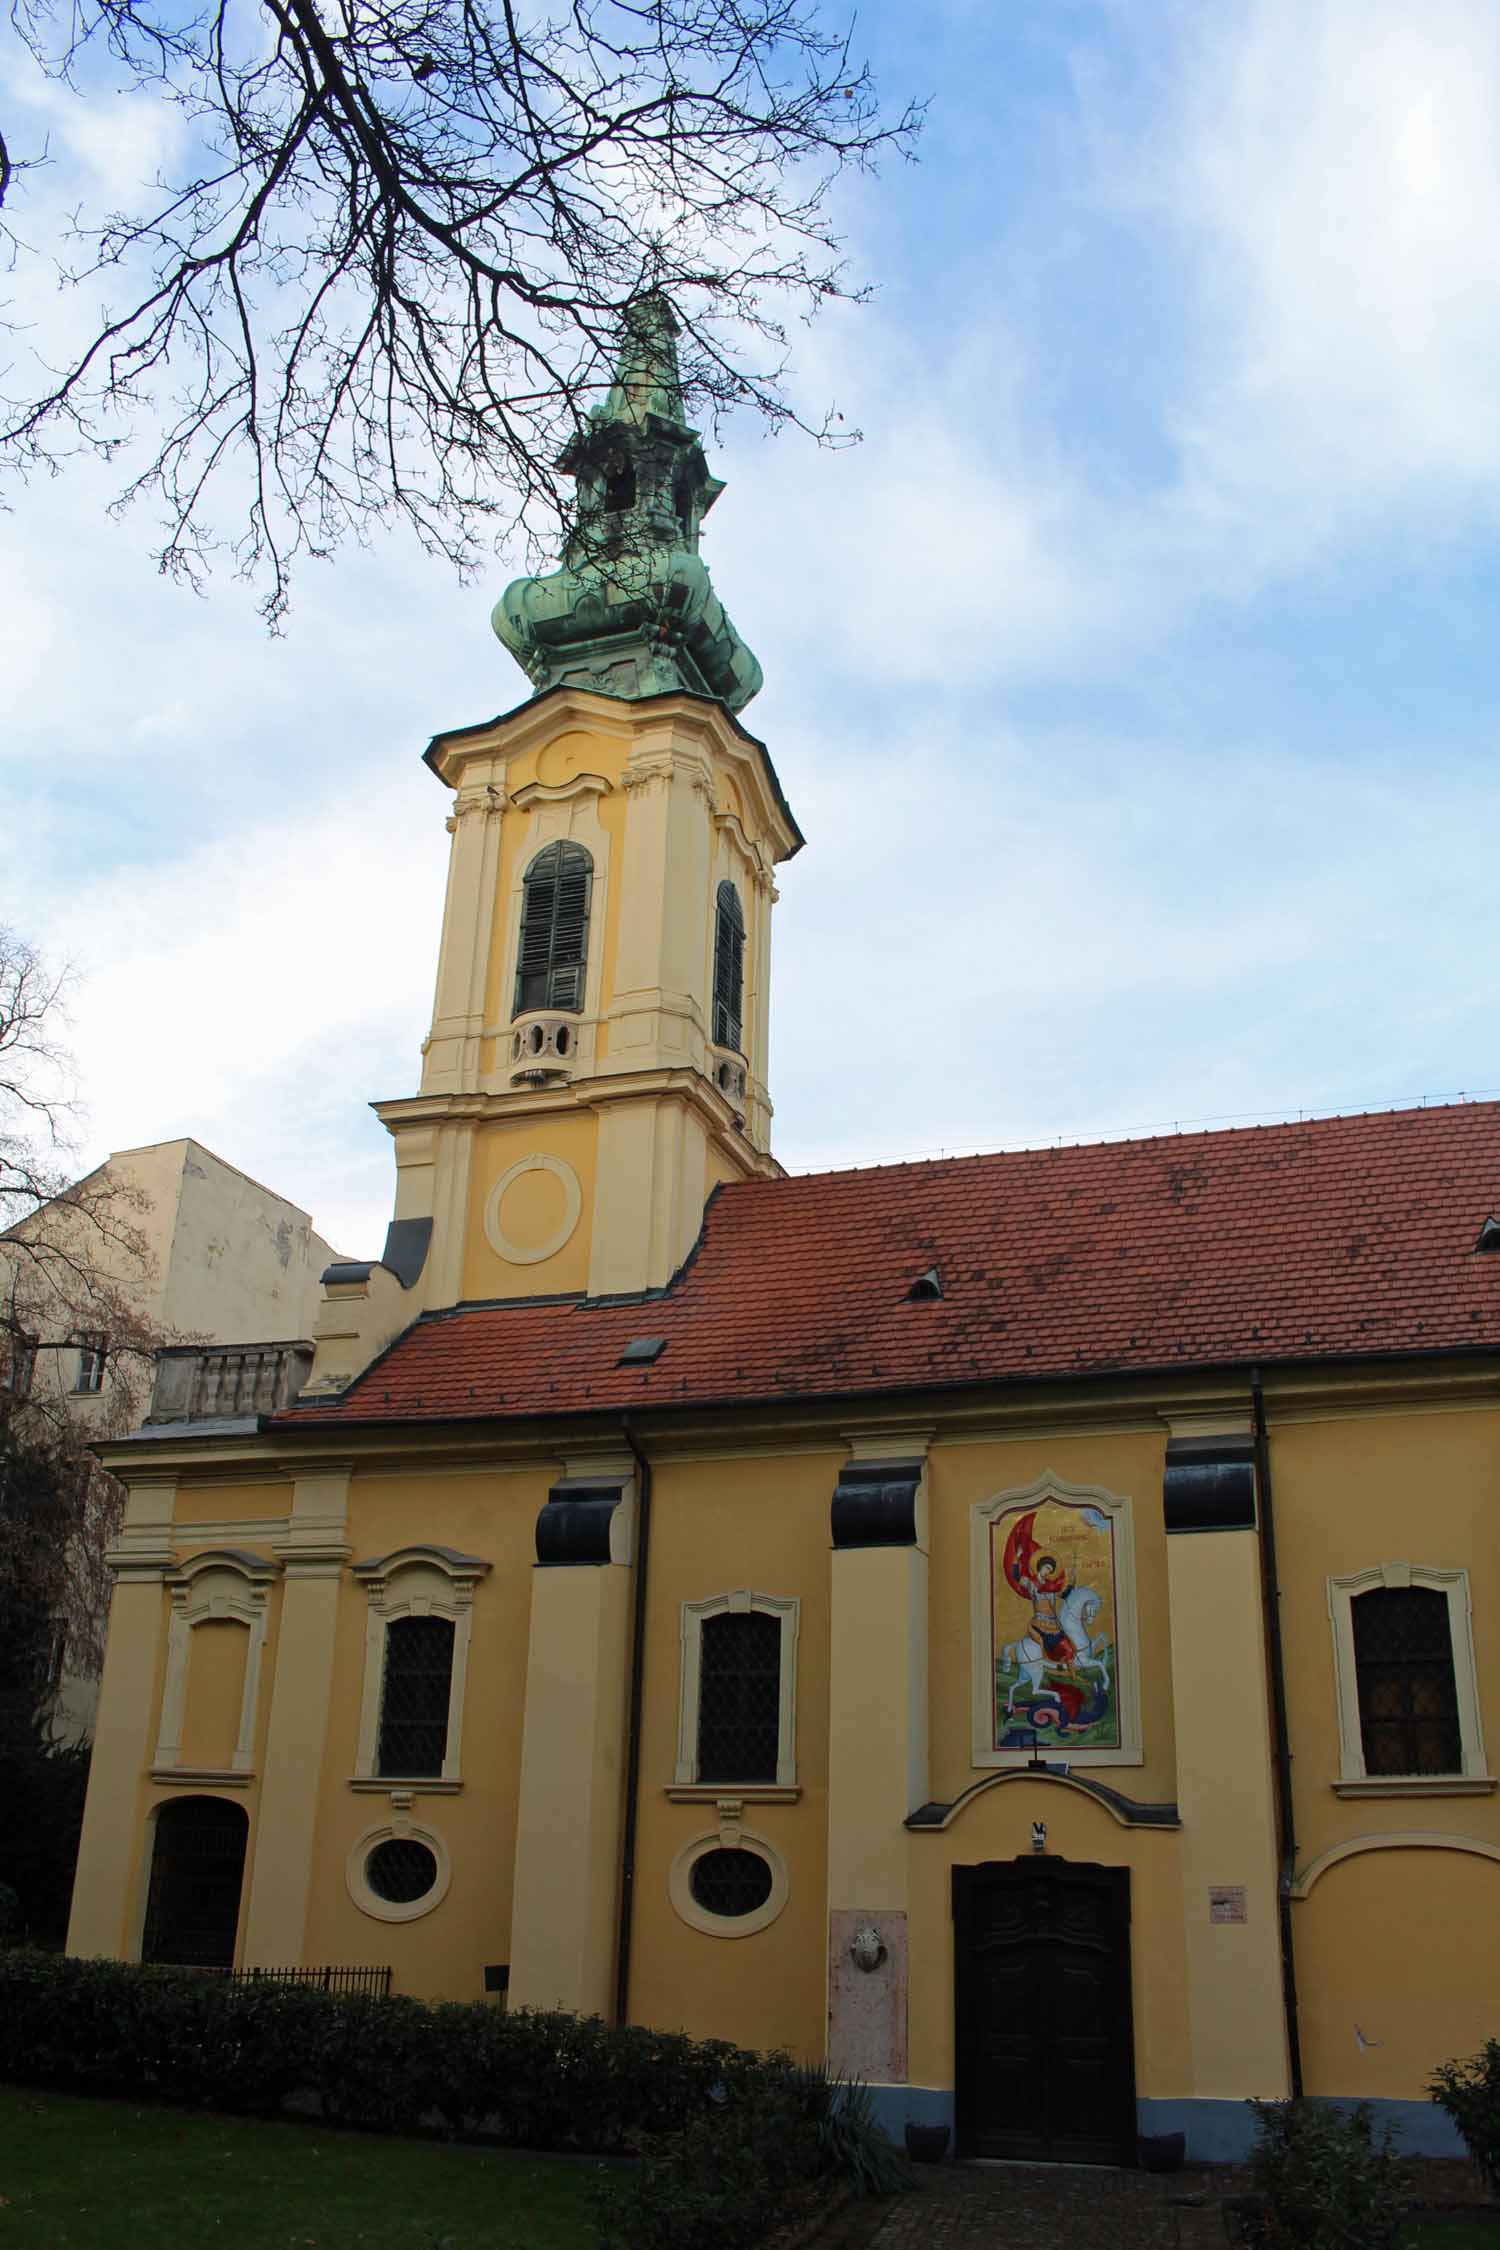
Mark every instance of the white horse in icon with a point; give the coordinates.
(1028, 1659)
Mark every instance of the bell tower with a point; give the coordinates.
(597, 1058)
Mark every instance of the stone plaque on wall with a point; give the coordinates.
(867, 1995)
(1226, 1903)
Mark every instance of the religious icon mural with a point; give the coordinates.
(1054, 1613)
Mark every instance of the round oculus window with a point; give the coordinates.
(400, 1870)
(730, 1883)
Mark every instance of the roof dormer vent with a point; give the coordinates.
(1489, 1234)
(641, 1351)
(926, 1288)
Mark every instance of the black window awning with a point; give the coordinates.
(1209, 1484)
(875, 1504)
(574, 1525)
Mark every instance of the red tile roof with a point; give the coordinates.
(1347, 1237)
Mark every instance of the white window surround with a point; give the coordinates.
(1353, 1781)
(1116, 1507)
(389, 1910)
(224, 1584)
(414, 1582)
(786, 1607)
(730, 1837)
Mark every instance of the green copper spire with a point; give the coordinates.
(632, 611)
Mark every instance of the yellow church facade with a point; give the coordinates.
(1022, 1628)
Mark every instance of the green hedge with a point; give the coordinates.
(527, 2080)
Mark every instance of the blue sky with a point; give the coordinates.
(1134, 681)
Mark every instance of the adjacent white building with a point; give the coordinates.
(214, 1258)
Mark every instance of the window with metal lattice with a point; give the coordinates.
(739, 1697)
(729, 968)
(1408, 1694)
(553, 955)
(415, 1691)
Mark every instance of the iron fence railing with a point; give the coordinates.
(373, 1984)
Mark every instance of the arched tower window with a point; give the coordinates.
(554, 929)
(619, 488)
(729, 968)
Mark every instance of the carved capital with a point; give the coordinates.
(649, 772)
(480, 797)
(651, 768)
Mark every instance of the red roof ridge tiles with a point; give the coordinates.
(1210, 1248)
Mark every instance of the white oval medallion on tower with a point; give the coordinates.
(538, 1225)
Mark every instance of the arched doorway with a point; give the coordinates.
(197, 1866)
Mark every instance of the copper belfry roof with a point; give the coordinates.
(1344, 1237)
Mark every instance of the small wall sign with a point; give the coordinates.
(1226, 1903)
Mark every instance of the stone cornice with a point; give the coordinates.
(685, 723)
(1054, 1410)
(682, 1084)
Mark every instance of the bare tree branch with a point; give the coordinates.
(387, 274)
(73, 1257)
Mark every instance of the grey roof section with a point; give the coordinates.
(405, 1253)
(212, 1425)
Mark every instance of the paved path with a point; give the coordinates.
(1044, 2207)
(1083, 2207)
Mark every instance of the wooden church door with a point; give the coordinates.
(1044, 2050)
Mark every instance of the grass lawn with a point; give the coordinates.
(92, 2175)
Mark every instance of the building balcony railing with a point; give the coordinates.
(227, 1382)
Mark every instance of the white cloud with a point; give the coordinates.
(1313, 188)
(1331, 170)
(229, 993)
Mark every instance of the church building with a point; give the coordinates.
(1021, 1627)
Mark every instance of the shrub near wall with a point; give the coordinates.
(527, 2080)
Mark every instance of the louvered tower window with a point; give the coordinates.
(414, 1696)
(1408, 1698)
(554, 929)
(739, 1697)
(729, 968)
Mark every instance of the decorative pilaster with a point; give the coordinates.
(1236, 2024)
(568, 1828)
(111, 1842)
(312, 1556)
(451, 1051)
(877, 1748)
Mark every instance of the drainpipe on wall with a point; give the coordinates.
(1285, 1818)
(633, 1732)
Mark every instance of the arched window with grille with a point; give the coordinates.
(738, 1712)
(415, 1693)
(552, 958)
(1408, 1692)
(1408, 1695)
(420, 1624)
(197, 1870)
(729, 969)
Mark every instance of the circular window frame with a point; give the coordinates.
(686, 1907)
(388, 1910)
(561, 1235)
